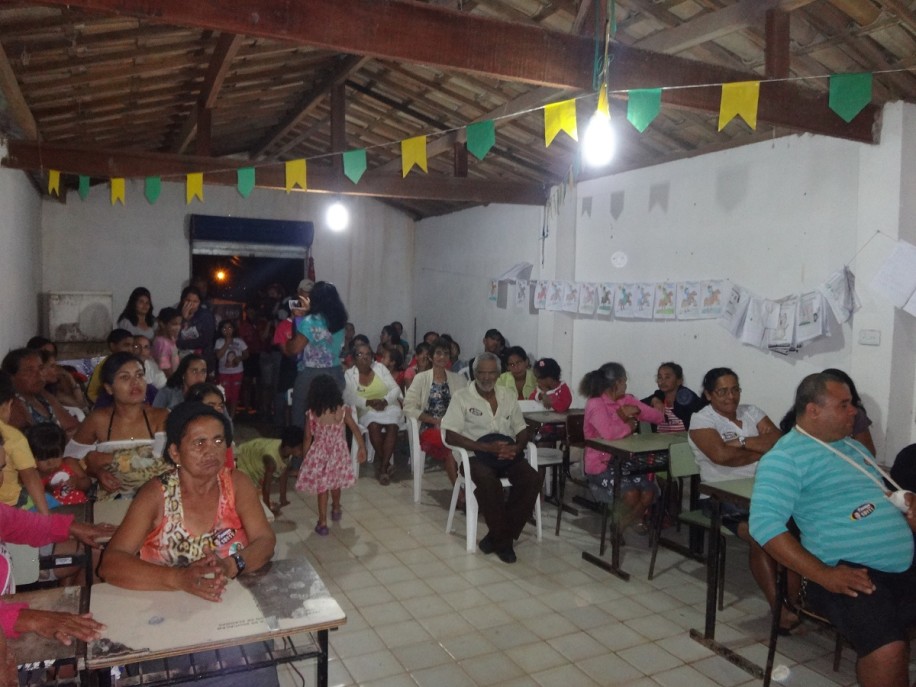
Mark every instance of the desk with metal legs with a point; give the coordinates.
(738, 493)
(637, 454)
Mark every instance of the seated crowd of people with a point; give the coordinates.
(154, 422)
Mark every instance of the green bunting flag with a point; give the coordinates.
(83, 188)
(245, 181)
(152, 187)
(849, 93)
(354, 164)
(481, 137)
(643, 105)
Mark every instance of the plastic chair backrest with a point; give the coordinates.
(681, 462)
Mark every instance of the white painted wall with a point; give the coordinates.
(20, 246)
(776, 217)
(92, 246)
(456, 256)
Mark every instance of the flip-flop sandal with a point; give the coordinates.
(390, 468)
(336, 515)
(384, 479)
(322, 530)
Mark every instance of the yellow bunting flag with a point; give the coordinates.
(54, 181)
(560, 117)
(413, 152)
(117, 191)
(739, 99)
(194, 187)
(603, 107)
(295, 175)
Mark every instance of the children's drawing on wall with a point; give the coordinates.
(540, 295)
(810, 321)
(521, 294)
(840, 293)
(494, 290)
(644, 296)
(605, 298)
(688, 300)
(571, 296)
(623, 300)
(783, 336)
(713, 304)
(555, 295)
(732, 317)
(664, 300)
(588, 298)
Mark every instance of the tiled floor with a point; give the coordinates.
(422, 611)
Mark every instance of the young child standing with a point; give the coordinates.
(63, 478)
(231, 352)
(165, 346)
(326, 466)
(264, 460)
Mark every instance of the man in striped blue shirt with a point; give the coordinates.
(856, 548)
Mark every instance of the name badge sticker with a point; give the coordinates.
(862, 511)
(475, 411)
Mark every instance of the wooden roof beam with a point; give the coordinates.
(346, 66)
(425, 34)
(137, 165)
(227, 46)
(19, 109)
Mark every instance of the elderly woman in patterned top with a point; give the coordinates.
(196, 526)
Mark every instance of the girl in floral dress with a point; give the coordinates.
(326, 466)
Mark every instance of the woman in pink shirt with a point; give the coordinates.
(612, 413)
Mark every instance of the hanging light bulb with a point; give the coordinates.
(338, 217)
(600, 141)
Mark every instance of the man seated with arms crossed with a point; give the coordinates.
(483, 419)
(856, 548)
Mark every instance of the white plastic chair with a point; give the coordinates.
(354, 445)
(471, 509)
(417, 456)
(26, 565)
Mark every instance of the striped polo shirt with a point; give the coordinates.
(842, 514)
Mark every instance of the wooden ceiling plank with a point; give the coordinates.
(125, 163)
(18, 107)
(776, 53)
(227, 45)
(391, 29)
(708, 26)
(345, 66)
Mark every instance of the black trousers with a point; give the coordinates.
(505, 518)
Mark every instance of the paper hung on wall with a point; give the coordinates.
(665, 294)
(540, 295)
(839, 292)
(521, 294)
(571, 296)
(624, 303)
(896, 280)
(783, 335)
(809, 318)
(494, 290)
(713, 303)
(762, 314)
(605, 298)
(588, 298)
(732, 318)
(555, 295)
(644, 306)
(688, 300)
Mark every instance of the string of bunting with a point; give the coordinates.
(848, 95)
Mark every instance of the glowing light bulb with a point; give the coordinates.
(600, 141)
(220, 275)
(338, 217)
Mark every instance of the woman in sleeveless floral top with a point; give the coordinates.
(198, 525)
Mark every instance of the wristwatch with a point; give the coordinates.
(239, 563)
(742, 441)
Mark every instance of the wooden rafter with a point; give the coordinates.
(129, 164)
(19, 108)
(426, 34)
(346, 66)
(227, 46)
